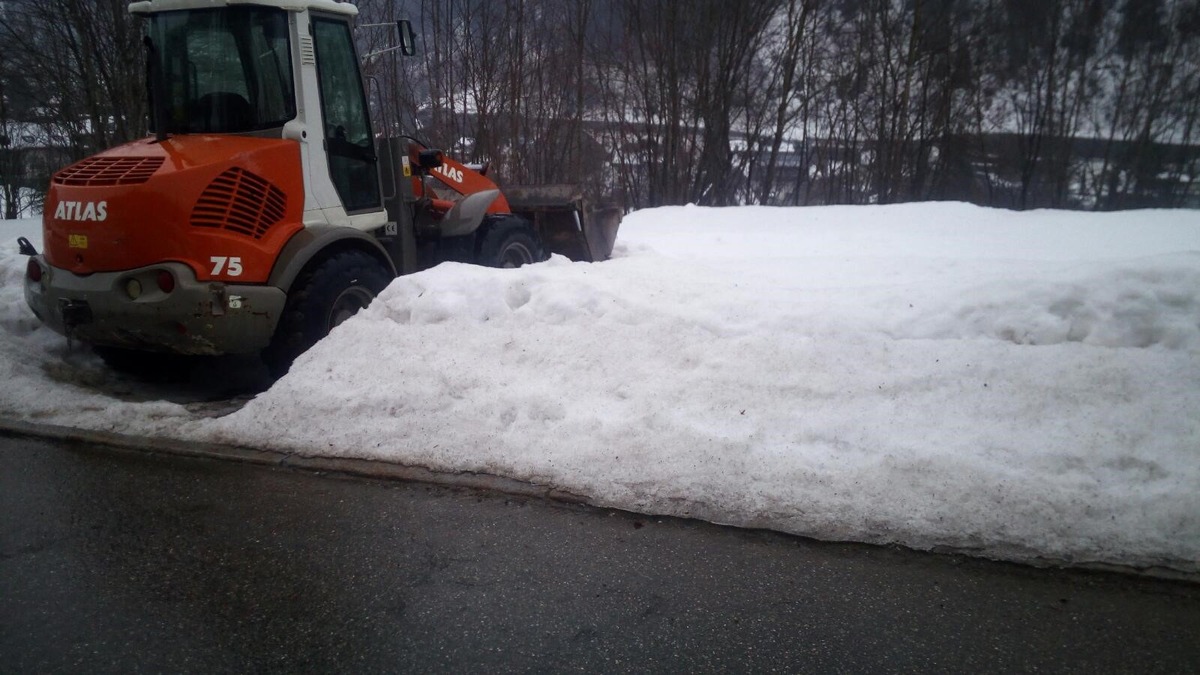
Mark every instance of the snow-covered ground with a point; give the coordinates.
(1020, 385)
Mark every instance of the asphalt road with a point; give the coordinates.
(116, 561)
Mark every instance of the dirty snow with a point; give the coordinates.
(1018, 385)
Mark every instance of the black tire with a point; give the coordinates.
(509, 241)
(148, 366)
(322, 297)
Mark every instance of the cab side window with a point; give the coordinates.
(348, 139)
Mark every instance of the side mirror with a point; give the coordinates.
(429, 159)
(408, 38)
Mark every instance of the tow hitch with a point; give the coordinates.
(74, 313)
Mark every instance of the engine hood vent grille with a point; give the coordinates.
(101, 171)
(241, 202)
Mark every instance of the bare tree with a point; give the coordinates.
(1148, 114)
(1018, 103)
(796, 65)
(89, 66)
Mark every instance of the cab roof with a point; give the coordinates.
(152, 6)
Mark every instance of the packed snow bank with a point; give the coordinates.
(938, 375)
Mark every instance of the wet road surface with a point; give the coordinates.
(123, 562)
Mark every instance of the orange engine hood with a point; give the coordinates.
(189, 199)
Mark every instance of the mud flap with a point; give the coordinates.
(567, 224)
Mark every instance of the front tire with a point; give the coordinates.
(509, 241)
(322, 298)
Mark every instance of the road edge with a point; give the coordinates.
(375, 469)
(364, 468)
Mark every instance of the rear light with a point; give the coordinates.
(166, 281)
(33, 270)
(133, 288)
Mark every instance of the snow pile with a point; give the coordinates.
(1143, 303)
(15, 317)
(938, 375)
(25, 347)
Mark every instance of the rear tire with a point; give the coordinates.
(322, 298)
(509, 241)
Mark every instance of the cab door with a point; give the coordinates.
(349, 143)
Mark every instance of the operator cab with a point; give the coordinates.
(255, 70)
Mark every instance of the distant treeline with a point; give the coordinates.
(1015, 103)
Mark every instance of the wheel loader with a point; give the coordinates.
(265, 209)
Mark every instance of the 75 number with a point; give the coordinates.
(231, 264)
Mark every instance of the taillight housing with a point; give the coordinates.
(166, 281)
(33, 271)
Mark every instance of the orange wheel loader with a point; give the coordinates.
(265, 210)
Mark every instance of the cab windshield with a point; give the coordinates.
(222, 70)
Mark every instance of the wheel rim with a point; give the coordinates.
(348, 303)
(515, 255)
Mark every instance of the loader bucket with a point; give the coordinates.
(566, 222)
